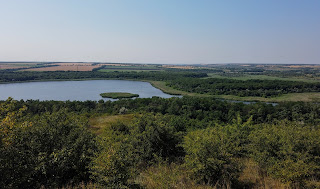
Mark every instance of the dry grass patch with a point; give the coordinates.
(167, 176)
(254, 178)
(97, 124)
(68, 67)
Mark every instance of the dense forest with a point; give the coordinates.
(253, 87)
(169, 143)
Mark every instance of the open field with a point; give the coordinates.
(126, 70)
(4, 66)
(291, 97)
(179, 67)
(262, 77)
(133, 67)
(67, 67)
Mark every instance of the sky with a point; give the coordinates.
(161, 31)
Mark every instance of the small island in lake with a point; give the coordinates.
(118, 95)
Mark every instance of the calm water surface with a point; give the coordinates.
(76, 90)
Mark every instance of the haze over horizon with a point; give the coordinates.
(164, 32)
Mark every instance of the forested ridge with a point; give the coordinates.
(169, 143)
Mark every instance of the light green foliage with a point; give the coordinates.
(238, 133)
(9, 121)
(287, 151)
(112, 166)
(210, 156)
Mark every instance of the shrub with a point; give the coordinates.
(287, 151)
(210, 156)
(54, 151)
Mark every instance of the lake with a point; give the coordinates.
(77, 90)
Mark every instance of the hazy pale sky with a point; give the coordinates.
(161, 31)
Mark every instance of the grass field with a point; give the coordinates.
(262, 77)
(4, 66)
(97, 124)
(126, 70)
(67, 67)
(141, 67)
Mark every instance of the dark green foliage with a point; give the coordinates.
(287, 151)
(210, 155)
(7, 76)
(118, 95)
(254, 87)
(200, 112)
(54, 151)
(157, 137)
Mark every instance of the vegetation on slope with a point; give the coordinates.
(189, 141)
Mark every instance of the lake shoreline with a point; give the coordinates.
(77, 89)
(291, 97)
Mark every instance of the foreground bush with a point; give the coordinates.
(210, 157)
(128, 149)
(55, 150)
(287, 151)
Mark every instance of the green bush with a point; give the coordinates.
(210, 156)
(126, 149)
(54, 151)
(287, 151)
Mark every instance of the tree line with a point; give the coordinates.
(9, 76)
(252, 87)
